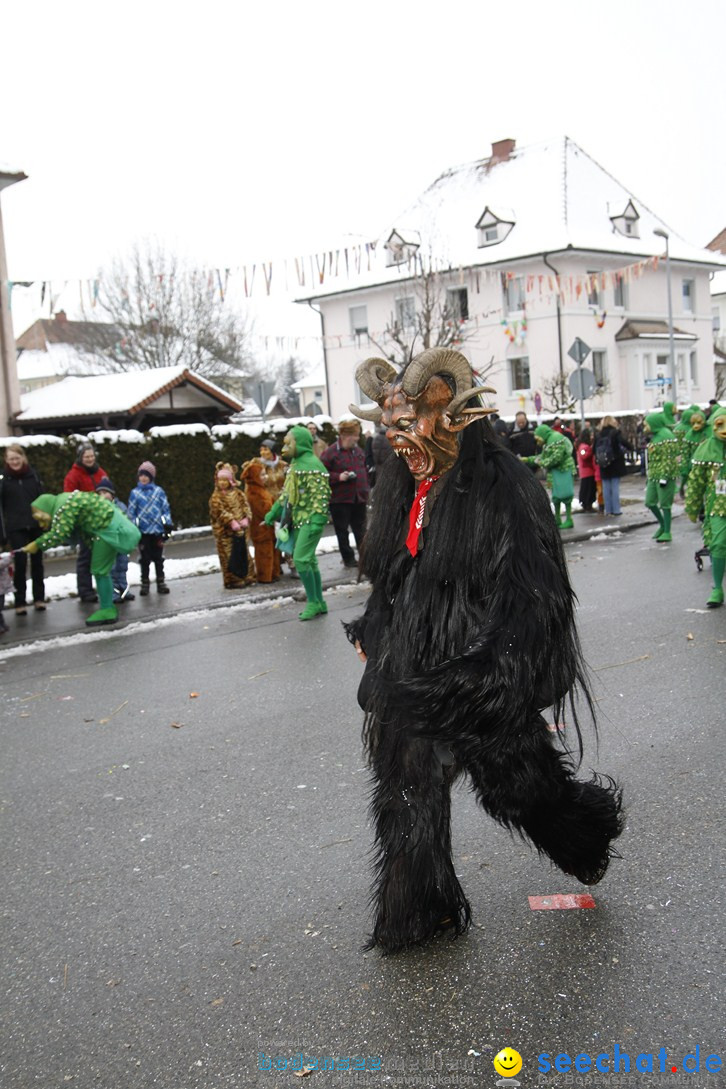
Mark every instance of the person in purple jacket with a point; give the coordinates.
(349, 487)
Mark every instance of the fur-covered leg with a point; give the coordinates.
(527, 785)
(416, 893)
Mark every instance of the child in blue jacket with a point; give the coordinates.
(149, 510)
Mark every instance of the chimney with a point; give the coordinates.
(61, 316)
(501, 150)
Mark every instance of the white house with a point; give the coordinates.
(312, 393)
(532, 248)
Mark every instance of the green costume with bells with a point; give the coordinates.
(556, 457)
(707, 489)
(102, 527)
(690, 438)
(663, 470)
(307, 492)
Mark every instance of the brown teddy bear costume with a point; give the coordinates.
(230, 515)
(267, 558)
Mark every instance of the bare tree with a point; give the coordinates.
(151, 311)
(720, 382)
(434, 314)
(556, 394)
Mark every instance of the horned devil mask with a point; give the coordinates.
(422, 407)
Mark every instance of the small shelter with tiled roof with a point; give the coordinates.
(132, 399)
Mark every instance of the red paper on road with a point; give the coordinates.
(560, 902)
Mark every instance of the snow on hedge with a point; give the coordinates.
(167, 431)
(116, 436)
(31, 440)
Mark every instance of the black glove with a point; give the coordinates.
(167, 532)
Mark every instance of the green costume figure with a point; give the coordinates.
(100, 525)
(667, 410)
(690, 438)
(662, 473)
(556, 457)
(707, 488)
(307, 491)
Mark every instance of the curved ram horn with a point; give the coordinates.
(373, 414)
(373, 374)
(455, 406)
(436, 361)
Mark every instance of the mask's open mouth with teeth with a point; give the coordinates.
(419, 462)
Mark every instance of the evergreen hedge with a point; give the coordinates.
(184, 458)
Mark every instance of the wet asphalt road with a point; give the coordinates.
(186, 876)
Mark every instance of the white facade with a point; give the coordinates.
(541, 246)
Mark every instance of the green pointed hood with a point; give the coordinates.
(51, 504)
(693, 435)
(659, 431)
(711, 449)
(305, 459)
(544, 432)
(668, 407)
(682, 424)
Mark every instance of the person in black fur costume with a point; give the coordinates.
(468, 635)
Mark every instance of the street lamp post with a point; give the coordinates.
(671, 349)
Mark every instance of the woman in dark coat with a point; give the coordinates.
(19, 486)
(610, 447)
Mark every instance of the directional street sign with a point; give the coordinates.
(582, 383)
(579, 351)
(661, 382)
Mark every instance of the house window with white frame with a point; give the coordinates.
(458, 302)
(358, 320)
(620, 293)
(693, 364)
(406, 312)
(599, 367)
(514, 295)
(681, 367)
(593, 288)
(519, 373)
(689, 295)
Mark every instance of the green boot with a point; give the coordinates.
(568, 523)
(655, 511)
(558, 518)
(664, 537)
(312, 609)
(319, 591)
(717, 571)
(108, 613)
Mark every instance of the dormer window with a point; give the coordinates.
(492, 228)
(401, 247)
(626, 222)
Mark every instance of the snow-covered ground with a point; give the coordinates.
(62, 586)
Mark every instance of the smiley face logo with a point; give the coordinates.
(508, 1062)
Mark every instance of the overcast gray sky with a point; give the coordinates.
(243, 132)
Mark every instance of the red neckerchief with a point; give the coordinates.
(416, 516)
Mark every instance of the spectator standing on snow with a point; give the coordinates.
(149, 510)
(19, 486)
(349, 488)
(119, 571)
(83, 476)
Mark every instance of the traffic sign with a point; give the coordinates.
(579, 350)
(658, 382)
(582, 383)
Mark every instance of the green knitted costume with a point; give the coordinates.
(307, 491)
(102, 527)
(556, 457)
(663, 469)
(707, 488)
